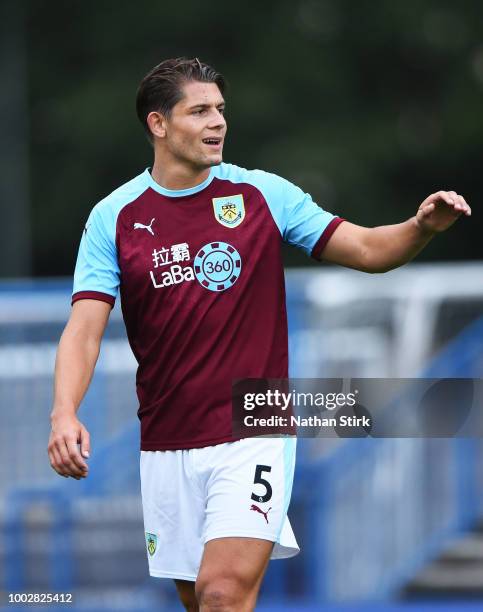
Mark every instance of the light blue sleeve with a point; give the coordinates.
(300, 220)
(97, 267)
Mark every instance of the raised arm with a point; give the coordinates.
(383, 248)
(76, 358)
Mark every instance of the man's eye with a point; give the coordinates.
(221, 111)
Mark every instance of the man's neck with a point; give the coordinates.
(177, 176)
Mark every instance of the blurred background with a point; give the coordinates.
(370, 107)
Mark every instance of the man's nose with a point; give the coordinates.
(217, 120)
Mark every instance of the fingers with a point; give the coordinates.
(85, 442)
(453, 199)
(456, 201)
(56, 461)
(76, 462)
(61, 465)
(67, 465)
(65, 457)
(446, 197)
(466, 207)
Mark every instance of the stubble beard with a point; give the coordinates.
(197, 163)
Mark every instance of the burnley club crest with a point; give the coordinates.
(151, 542)
(230, 210)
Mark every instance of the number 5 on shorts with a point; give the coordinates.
(259, 480)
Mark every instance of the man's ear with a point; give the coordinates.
(157, 124)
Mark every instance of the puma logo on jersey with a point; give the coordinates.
(146, 227)
(257, 509)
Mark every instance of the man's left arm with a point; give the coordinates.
(383, 248)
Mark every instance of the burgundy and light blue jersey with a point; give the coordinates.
(201, 281)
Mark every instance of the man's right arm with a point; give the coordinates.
(76, 358)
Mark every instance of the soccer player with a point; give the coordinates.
(193, 245)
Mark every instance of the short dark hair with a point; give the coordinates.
(161, 88)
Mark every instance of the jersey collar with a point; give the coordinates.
(177, 193)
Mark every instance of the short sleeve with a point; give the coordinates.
(307, 225)
(302, 223)
(97, 273)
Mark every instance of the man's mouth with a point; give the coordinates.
(212, 142)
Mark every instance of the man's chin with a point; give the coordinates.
(216, 160)
(208, 161)
(212, 160)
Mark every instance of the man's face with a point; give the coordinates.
(196, 128)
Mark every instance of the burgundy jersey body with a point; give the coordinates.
(202, 291)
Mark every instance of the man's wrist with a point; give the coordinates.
(62, 411)
(425, 232)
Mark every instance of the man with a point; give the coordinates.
(193, 244)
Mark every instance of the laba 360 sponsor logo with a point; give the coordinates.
(216, 267)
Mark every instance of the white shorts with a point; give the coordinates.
(236, 489)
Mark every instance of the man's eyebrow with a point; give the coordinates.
(204, 105)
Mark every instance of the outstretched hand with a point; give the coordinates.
(440, 210)
(65, 456)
